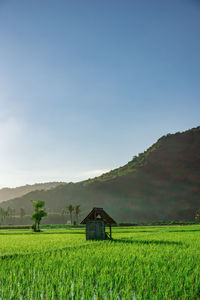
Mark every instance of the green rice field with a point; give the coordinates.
(140, 263)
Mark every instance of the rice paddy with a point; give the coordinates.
(140, 263)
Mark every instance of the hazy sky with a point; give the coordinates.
(86, 85)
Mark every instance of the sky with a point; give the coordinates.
(86, 85)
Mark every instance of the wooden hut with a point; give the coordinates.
(96, 223)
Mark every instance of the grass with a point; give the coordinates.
(140, 263)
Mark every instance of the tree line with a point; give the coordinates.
(74, 212)
(10, 212)
(39, 213)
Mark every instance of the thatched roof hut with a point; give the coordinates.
(96, 222)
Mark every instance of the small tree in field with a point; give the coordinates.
(38, 214)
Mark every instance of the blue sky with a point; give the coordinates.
(86, 85)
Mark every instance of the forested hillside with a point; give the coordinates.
(9, 193)
(160, 184)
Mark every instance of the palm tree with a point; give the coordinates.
(70, 210)
(77, 211)
(64, 212)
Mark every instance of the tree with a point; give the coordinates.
(13, 212)
(197, 216)
(38, 214)
(64, 212)
(22, 213)
(3, 214)
(70, 210)
(77, 211)
(9, 212)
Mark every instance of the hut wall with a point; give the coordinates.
(95, 230)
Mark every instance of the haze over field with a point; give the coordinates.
(86, 85)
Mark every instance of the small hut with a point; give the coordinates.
(96, 222)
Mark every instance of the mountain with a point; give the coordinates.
(163, 183)
(10, 193)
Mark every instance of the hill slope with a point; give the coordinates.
(160, 184)
(10, 193)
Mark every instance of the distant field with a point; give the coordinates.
(141, 263)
